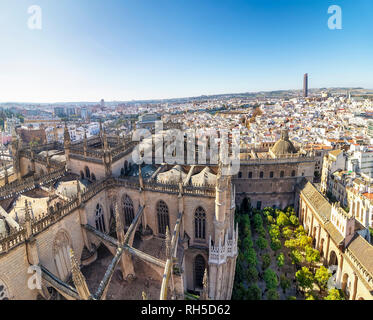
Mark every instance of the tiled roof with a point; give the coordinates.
(321, 206)
(333, 232)
(363, 252)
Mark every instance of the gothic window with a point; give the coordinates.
(4, 295)
(93, 177)
(87, 173)
(99, 218)
(199, 270)
(163, 217)
(128, 210)
(282, 173)
(81, 174)
(61, 251)
(200, 223)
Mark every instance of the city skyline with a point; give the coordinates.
(128, 50)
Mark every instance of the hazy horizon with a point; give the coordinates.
(144, 50)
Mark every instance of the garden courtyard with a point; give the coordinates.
(276, 259)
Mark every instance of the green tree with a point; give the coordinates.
(334, 294)
(257, 221)
(274, 231)
(275, 244)
(304, 278)
(282, 220)
(280, 260)
(287, 233)
(270, 278)
(296, 257)
(254, 293)
(294, 220)
(312, 255)
(266, 261)
(250, 257)
(322, 277)
(247, 243)
(252, 274)
(299, 231)
(262, 243)
(284, 283)
(272, 294)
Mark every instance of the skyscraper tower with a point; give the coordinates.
(305, 85)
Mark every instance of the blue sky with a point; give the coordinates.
(143, 49)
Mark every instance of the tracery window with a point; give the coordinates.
(200, 223)
(128, 210)
(99, 218)
(163, 217)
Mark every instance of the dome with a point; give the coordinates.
(284, 145)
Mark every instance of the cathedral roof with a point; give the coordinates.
(205, 177)
(172, 176)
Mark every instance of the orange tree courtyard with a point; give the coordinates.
(276, 259)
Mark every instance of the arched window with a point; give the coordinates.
(199, 270)
(200, 223)
(128, 210)
(163, 217)
(81, 174)
(87, 173)
(4, 295)
(93, 177)
(282, 173)
(293, 173)
(99, 218)
(271, 174)
(61, 251)
(261, 174)
(250, 175)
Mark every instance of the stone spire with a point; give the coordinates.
(78, 191)
(55, 133)
(205, 292)
(119, 224)
(85, 144)
(78, 278)
(48, 160)
(105, 142)
(100, 129)
(6, 178)
(66, 136)
(28, 225)
(168, 243)
(141, 180)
